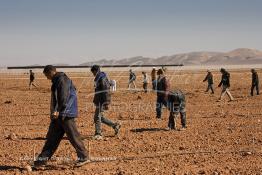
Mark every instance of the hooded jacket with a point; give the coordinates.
(225, 80)
(102, 90)
(63, 96)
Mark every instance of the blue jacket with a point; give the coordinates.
(63, 96)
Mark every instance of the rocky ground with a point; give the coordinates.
(221, 138)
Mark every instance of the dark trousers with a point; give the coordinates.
(210, 86)
(145, 87)
(31, 83)
(99, 119)
(172, 122)
(56, 131)
(253, 87)
(154, 84)
(159, 104)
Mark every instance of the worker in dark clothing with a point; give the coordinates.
(210, 82)
(225, 83)
(132, 79)
(162, 92)
(255, 82)
(63, 111)
(102, 99)
(176, 105)
(31, 79)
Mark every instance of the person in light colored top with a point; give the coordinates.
(145, 81)
(113, 85)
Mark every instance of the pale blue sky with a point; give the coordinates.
(77, 31)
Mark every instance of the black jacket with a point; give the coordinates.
(162, 86)
(32, 76)
(63, 96)
(102, 90)
(225, 80)
(209, 78)
(255, 80)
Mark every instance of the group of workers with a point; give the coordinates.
(64, 107)
(225, 83)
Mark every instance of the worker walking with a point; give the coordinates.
(132, 79)
(31, 79)
(63, 111)
(102, 99)
(210, 81)
(255, 82)
(225, 83)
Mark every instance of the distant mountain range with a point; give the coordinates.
(239, 56)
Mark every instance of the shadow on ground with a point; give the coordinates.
(6, 168)
(147, 129)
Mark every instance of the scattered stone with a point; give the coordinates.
(201, 172)
(120, 172)
(247, 153)
(120, 117)
(106, 139)
(147, 117)
(139, 97)
(181, 148)
(28, 168)
(17, 172)
(155, 169)
(215, 173)
(8, 102)
(12, 136)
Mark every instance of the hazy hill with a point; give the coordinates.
(236, 57)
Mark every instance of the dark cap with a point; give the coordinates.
(49, 68)
(95, 68)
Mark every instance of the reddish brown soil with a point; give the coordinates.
(221, 138)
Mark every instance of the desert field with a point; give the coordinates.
(221, 137)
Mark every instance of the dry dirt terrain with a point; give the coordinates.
(221, 138)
